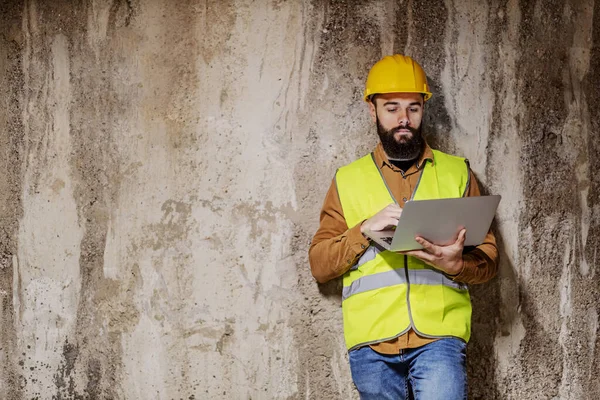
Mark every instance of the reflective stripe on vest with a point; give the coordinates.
(387, 293)
(397, 277)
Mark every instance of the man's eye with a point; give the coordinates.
(392, 110)
(413, 109)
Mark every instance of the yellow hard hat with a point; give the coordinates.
(396, 74)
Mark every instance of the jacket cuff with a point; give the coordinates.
(470, 264)
(356, 240)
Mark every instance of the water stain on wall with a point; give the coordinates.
(551, 218)
(347, 40)
(427, 24)
(593, 199)
(11, 82)
(91, 360)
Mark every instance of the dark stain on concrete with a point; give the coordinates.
(430, 37)
(174, 226)
(429, 21)
(93, 389)
(591, 90)
(400, 30)
(218, 18)
(121, 13)
(225, 337)
(349, 43)
(489, 314)
(11, 209)
(552, 211)
(63, 378)
(96, 102)
(177, 60)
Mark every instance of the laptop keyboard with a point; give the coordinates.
(387, 239)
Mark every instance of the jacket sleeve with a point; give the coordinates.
(335, 247)
(480, 262)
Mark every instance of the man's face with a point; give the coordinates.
(398, 117)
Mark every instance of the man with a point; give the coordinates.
(407, 316)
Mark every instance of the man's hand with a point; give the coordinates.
(386, 218)
(448, 259)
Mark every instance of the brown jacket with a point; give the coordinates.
(336, 247)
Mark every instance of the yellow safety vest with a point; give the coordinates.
(386, 293)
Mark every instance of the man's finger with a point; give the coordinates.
(462, 235)
(392, 221)
(394, 207)
(421, 255)
(384, 223)
(395, 213)
(428, 246)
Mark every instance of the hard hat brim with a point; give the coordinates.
(367, 95)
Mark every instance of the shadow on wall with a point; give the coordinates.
(489, 314)
(490, 319)
(332, 289)
(436, 120)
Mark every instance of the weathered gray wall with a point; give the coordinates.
(163, 165)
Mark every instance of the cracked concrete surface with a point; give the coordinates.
(164, 164)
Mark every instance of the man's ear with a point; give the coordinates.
(373, 111)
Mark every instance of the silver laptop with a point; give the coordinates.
(439, 221)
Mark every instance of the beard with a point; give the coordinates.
(405, 149)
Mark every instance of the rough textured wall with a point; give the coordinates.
(163, 165)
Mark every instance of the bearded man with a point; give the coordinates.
(406, 337)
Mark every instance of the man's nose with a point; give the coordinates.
(403, 119)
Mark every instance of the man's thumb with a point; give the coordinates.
(462, 236)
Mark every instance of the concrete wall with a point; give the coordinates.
(163, 165)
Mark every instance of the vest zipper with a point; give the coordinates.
(410, 318)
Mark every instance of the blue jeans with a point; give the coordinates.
(435, 371)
